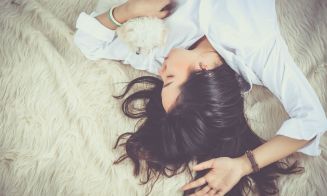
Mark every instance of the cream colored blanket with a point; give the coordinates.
(58, 121)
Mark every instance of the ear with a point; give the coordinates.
(203, 66)
(196, 67)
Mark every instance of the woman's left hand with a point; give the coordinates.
(224, 174)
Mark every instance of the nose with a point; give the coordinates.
(160, 72)
(162, 69)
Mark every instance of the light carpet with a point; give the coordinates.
(58, 120)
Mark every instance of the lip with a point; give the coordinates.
(168, 80)
(164, 77)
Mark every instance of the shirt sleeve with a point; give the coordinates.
(96, 42)
(276, 69)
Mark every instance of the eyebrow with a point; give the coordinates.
(167, 84)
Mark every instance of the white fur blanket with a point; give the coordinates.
(58, 121)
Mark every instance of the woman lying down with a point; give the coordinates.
(194, 112)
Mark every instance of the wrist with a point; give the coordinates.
(245, 163)
(124, 12)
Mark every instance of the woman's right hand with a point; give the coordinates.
(154, 8)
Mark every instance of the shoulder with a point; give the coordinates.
(256, 10)
(242, 23)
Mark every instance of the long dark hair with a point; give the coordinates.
(207, 122)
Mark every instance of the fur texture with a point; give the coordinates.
(59, 121)
(143, 34)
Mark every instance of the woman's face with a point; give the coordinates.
(177, 67)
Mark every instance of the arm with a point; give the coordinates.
(96, 36)
(277, 70)
(282, 146)
(121, 14)
(135, 8)
(97, 39)
(225, 172)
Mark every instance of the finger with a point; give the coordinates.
(212, 192)
(221, 192)
(195, 183)
(218, 194)
(203, 191)
(164, 4)
(163, 14)
(204, 165)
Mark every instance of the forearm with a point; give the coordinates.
(121, 14)
(273, 150)
(136, 8)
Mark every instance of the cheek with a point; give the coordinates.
(168, 98)
(182, 63)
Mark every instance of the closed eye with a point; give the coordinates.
(167, 84)
(169, 76)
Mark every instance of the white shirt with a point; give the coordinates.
(246, 34)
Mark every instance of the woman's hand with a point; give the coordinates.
(224, 174)
(154, 8)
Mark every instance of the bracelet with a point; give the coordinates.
(254, 164)
(111, 17)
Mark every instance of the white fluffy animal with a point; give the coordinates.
(143, 34)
